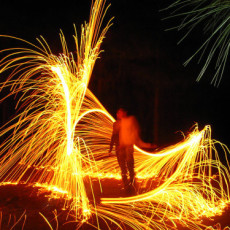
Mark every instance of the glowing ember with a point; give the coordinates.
(63, 132)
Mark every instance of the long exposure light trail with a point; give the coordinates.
(59, 142)
(68, 108)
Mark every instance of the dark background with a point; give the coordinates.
(141, 68)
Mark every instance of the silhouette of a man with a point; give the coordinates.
(125, 135)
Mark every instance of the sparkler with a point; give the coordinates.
(61, 136)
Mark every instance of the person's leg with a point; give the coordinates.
(130, 163)
(121, 161)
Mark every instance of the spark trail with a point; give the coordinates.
(62, 132)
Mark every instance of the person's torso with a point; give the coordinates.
(128, 131)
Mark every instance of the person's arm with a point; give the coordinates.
(112, 141)
(139, 142)
(111, 144)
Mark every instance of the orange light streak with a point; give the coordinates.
(68, 108)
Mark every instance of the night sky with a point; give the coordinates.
(141, 68)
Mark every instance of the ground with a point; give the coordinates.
(26, 207)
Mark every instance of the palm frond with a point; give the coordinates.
(214, 18)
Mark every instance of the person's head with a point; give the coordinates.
(121, 112)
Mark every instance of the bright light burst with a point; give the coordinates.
(63, 132)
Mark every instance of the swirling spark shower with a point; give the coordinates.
(62, 133)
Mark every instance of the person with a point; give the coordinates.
(124, 136)
(116, 130)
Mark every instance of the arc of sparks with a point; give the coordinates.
(60, 90)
